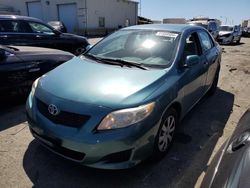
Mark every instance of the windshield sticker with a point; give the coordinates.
(167, 34)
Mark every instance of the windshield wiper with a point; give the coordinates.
(119, 62)
(125, 63)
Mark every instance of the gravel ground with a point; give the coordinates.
(25, 163)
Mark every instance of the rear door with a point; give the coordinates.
(13, 32)
(67, 13)
(35, 9)
(211, 57)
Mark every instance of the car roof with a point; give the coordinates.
(167, 27)
(17, 17)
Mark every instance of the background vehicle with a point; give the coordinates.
(210, 24)
(28, 31)
(96, 101)
(229, 34)
(246, 32)
(21, 65)
(58, 25)
(231, 165)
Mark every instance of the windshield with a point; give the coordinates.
(226, 28)
(155, 48)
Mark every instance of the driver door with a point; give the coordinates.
(42, 35)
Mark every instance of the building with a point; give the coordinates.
(80, 16)
(174, 21)
(245, 23)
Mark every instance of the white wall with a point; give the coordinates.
(115, 11)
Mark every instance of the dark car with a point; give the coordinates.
(58, 25)
(231, 165)
(126, 94)
(28, 31)
(21, 65)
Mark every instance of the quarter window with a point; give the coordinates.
(206, 41)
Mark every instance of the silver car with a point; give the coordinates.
(229, 34)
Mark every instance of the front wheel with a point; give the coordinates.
(238, 41)
(165, 135)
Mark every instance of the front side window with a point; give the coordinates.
(40, 28)
(206, 42)
(140, 46)
(191, 46)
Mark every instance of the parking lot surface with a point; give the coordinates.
(25, 163)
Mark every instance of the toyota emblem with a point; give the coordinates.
(53, 110)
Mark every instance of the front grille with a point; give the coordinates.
(63, 118)
(56, 147)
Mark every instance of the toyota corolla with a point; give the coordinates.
(120, 102)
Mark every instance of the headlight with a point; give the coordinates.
(126, 117)
(34, 85)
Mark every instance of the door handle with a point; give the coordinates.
(38, 36)
(241, 141)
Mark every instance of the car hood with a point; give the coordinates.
(34, 53)
(70, 36)
(26, 50)
(225, 32)
(87, 81)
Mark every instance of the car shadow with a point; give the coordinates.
(12, 111)
(233, 44)
(195, 140)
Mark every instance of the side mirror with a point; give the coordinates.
(57, 33)
(2, 54)
(191, 60)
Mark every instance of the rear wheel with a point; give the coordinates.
(165, 135)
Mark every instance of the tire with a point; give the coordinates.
(213, 88)
(165, 136)
(238, 41)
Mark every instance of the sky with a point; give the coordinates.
(228, 11)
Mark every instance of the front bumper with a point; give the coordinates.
(113, 149)
(225, 40)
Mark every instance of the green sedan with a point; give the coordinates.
(121, 101)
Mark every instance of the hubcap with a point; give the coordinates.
(166, 133)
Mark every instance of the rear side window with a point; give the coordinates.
(206, 42)
(11, 26)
